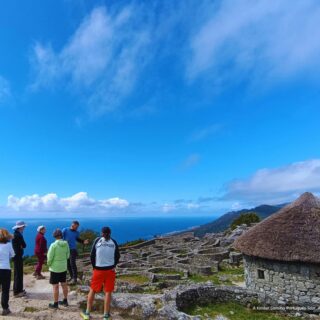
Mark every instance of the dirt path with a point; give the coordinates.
(35, 304)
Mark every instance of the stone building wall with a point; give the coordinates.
(287, 283)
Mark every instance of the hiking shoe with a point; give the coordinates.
(40, 277)
(53, 305)
(64, 303)
(5, 312)
(19, 295)
(85, 315)
(107, 316)
(73, 282)
(35, 274)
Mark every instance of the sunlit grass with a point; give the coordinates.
(234, 311)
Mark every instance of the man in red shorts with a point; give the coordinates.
(104, 258)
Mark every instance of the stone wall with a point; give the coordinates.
(287, 283)
(206, 294)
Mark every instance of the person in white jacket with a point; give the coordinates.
(104, 257)
(6, 253)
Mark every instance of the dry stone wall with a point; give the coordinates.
(288, 283)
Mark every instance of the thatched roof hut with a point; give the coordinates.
(291, 234)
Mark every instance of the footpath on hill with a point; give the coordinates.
(35, 304)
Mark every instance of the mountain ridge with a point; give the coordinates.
(224, 221)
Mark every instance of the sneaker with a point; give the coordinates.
(5, 312)
(85, 315)
(19, 295)
(53, 305)
(64, 303)
(40, 277)
(107, 316)
(73, 282)
(35, 274)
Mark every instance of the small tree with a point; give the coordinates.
(89, 234)
(245, 218)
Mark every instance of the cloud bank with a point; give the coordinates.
(276, 185)
(51, 202)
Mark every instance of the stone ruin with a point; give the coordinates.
(162, 268)
(163, 264)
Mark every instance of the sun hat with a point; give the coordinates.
(40, 228)
(19, 224)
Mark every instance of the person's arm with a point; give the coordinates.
(50, 255)
(78, 239)
(11, 251)
(68, 251)
(93, 253)
(23, 243)
(116, 253)
(15, 245)
(43, 245)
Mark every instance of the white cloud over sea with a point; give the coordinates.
(51, 202)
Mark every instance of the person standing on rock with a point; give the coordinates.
(58, 256)
(72, 236)
(104, 256)
(6, 253)
(40, 251)
(18, 245)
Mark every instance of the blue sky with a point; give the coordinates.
(152, 107)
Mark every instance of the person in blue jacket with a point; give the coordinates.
(72, 236)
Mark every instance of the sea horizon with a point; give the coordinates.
(124, 228)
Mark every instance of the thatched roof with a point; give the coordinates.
(291, 234)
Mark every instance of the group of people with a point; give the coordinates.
(61, 257)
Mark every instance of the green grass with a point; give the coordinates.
(166, 271)
(234, 311)
(132, 243)
(235, 274)
(30, 263)
(30, 309)
(133, 278)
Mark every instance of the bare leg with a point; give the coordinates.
(90, 300)
(107, 301)
(55, 292)
(64, 287)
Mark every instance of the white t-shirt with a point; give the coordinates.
(6, 253)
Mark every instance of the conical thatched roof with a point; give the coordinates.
(291, 234)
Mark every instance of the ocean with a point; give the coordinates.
(123, 228)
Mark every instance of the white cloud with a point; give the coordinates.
(101, 61)
(167, 207)
(264, 40)
(115, 202)
(279, 184)
(193, 206)
(205, 132)
(181, 206)
(190, 161)
(5, 91)
(52, 203)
